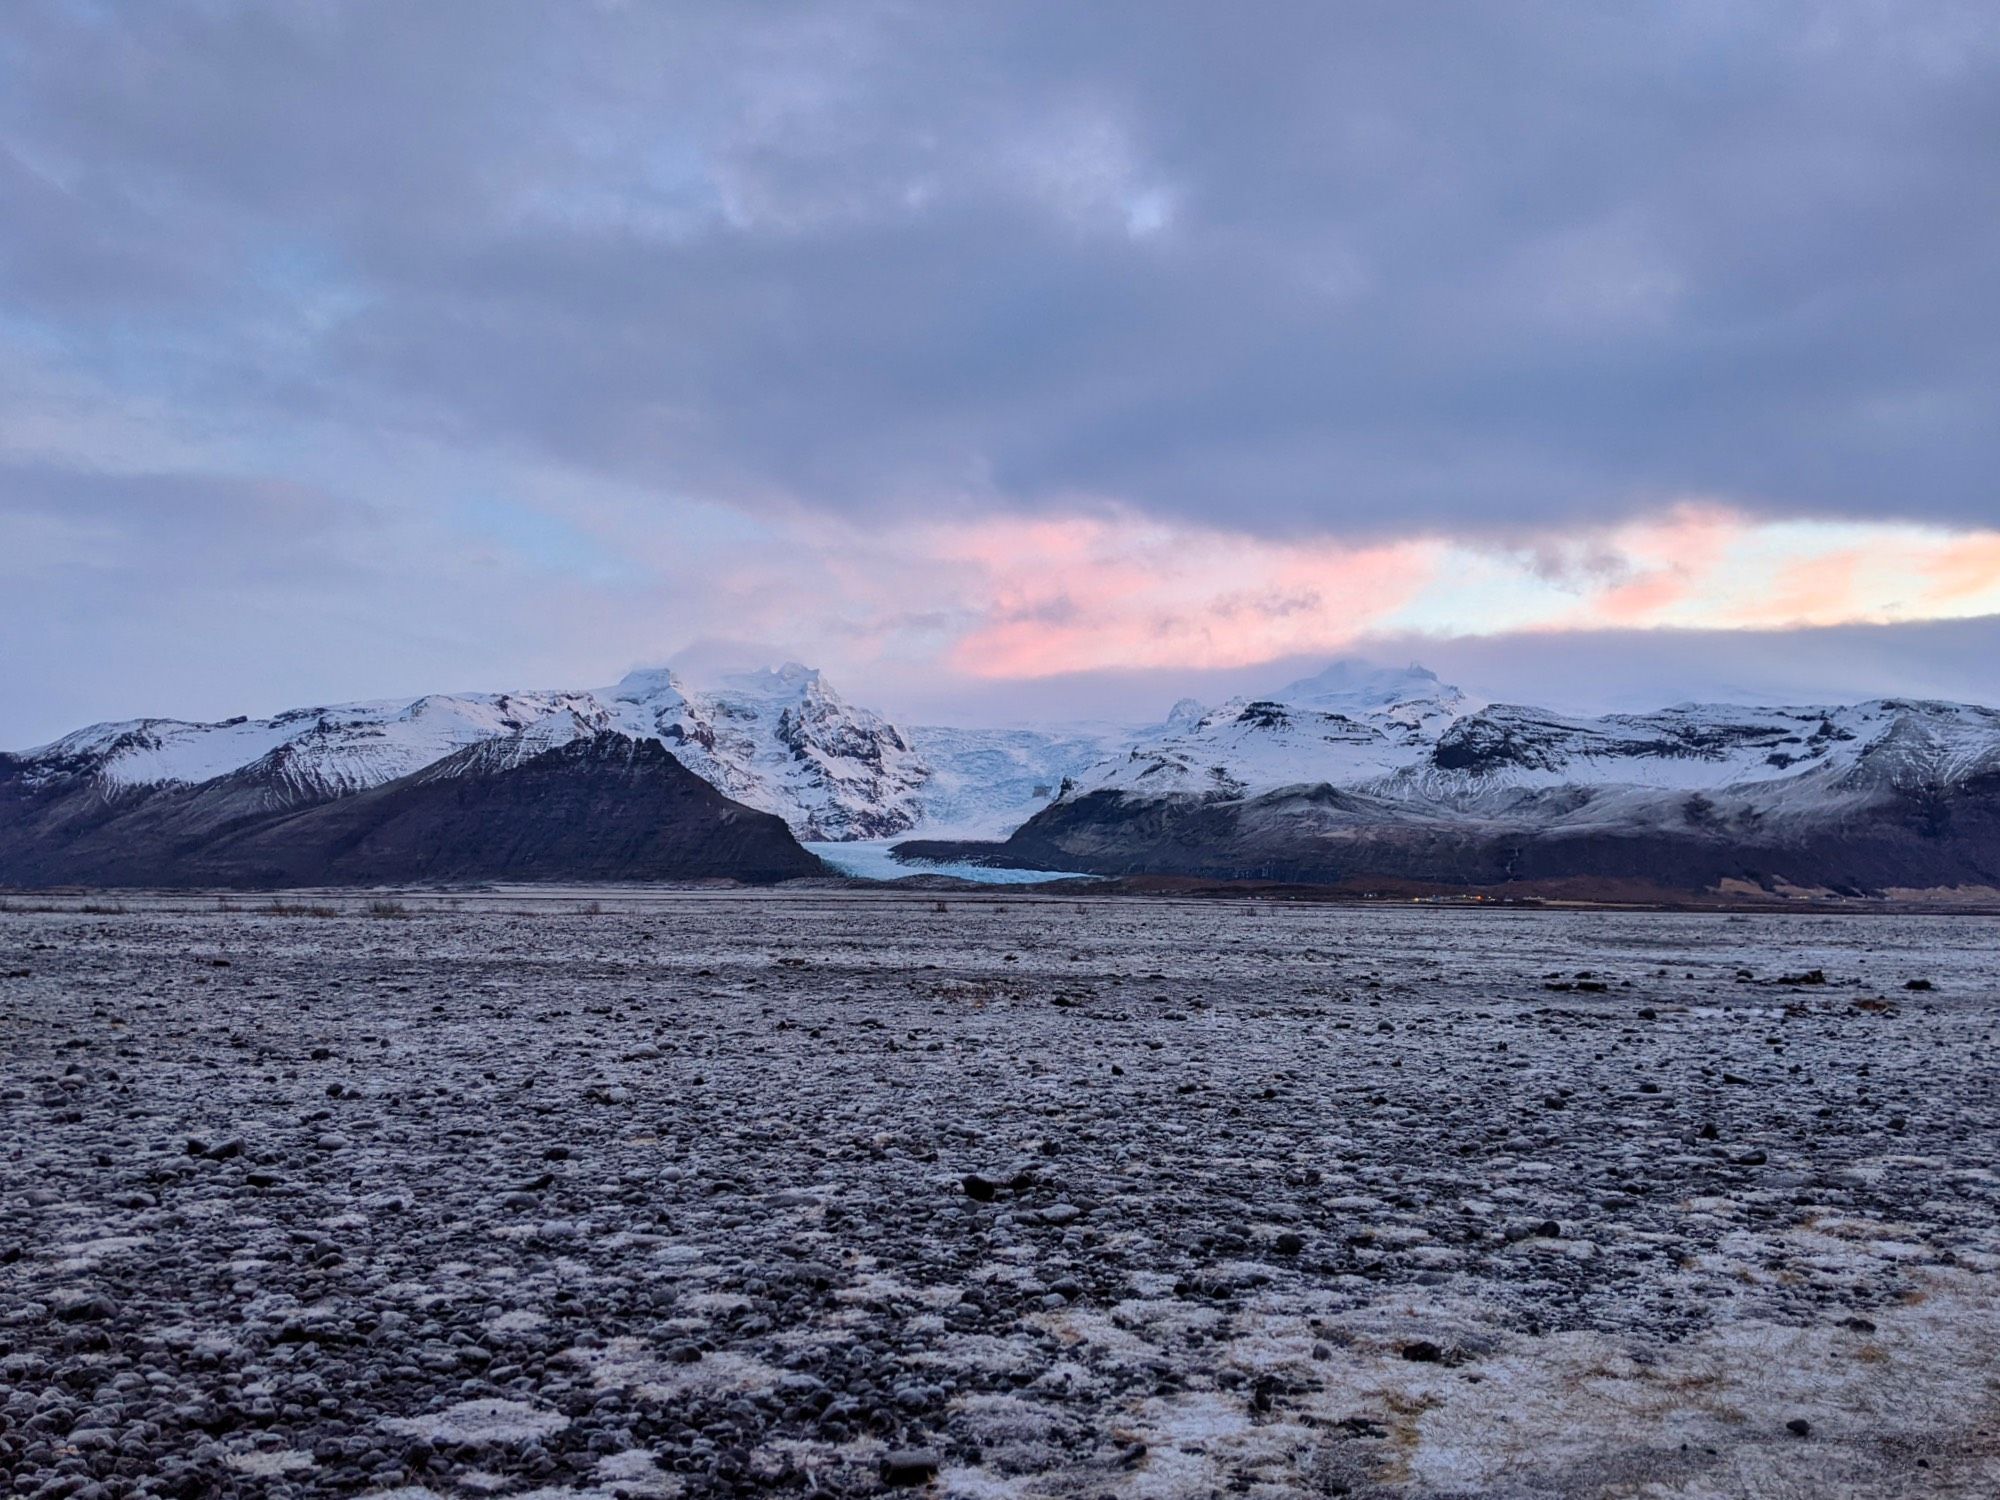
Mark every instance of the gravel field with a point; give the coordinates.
(654, 1193)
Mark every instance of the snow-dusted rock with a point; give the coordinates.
(1360, 773)
(781, 741)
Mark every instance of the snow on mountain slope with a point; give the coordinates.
(781, 741)
(1405, 736)
(1709, 747)
(986, 782)
(1364, 777)
(315, 751)
(1349, 724)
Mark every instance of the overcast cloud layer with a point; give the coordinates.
(358, 347)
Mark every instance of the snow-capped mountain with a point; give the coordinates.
(549, 802)
(779, 740)
(1351, 722)
(1356, 772)
(783, 741)
(309, 752)
(1406, 734)
(1360, 772)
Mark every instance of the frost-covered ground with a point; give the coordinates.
(508, 1197)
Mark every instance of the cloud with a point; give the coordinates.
(1117, 590)
(292, 594)
(1317, 268)
(967, 344)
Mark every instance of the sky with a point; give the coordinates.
(1004, 360)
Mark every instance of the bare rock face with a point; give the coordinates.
(598, 807)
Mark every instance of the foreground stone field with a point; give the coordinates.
(512, 1196)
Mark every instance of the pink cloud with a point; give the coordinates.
(1665, 562)
(1117, 591)
(1104, 587)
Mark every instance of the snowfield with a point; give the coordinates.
(598, 1192)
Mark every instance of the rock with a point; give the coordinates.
(910, 1466)
(797, 1265)
(95, 1309)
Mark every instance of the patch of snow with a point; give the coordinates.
(270, 1464)
(489, 1420)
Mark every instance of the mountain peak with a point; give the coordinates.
(787, 677)
(1351, 680)
(645, 684)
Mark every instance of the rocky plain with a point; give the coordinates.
(654, 1193)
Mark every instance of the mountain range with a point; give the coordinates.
(1362, 776)
(1358, 775)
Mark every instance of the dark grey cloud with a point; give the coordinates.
(1286, 266)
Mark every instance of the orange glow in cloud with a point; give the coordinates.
(1116, 590)
(1108, 588)
(1968, 572)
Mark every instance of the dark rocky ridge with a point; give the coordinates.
(605, 807)
(1880, 838)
